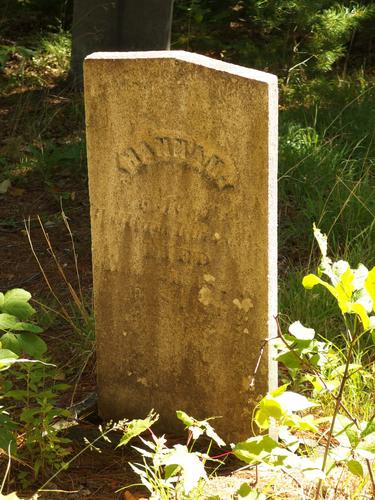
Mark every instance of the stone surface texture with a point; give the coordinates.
(182, 154)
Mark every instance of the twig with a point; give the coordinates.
(337, 484)
(335, 413)
(295, 480)
(66, 222)
(7, 471)
(28, 233)
(72, 292)
(67, 464)
(261, 350)
(371, 474)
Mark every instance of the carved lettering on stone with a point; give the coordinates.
(178, 151)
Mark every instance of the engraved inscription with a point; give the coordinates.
(177, 150)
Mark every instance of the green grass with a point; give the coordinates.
(35, 60)
(326, 176)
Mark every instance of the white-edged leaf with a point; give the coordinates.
(212, 434)
(291, 401)
(192, 467)
(321, 239)
(301, 332)
(366, 448)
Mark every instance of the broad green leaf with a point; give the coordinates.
(32, 344)
(27, 343)
(1, 300)
(247, 492)
(301, 332)
(255, 449)
(362, 313)
(279, 390)
(345, 285)
(12, 342)
(16, 303)
(7, 322)
(6, 359)
(331, 385)
(312, 280)
(355, 467)
(7, 440)
(368, 428)
(22, 310)
(7, 354)
(268, 408)
(185, 418)
(18, 294)
(289, 359)
(171, 470)
(18, 395)
(370, 286)
(137, 426)
(28, 327)
(307, 423)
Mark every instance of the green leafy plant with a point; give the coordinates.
(177, 472)
(354, 291)
(27, 422)
(299, 35)
(279, 411)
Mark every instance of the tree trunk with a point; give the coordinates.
(118, 25)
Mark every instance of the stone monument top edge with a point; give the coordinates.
(189, 57)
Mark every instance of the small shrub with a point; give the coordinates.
(27, 421)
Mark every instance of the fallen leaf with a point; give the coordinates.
(16, 192)
(135, 496)
(4, 186)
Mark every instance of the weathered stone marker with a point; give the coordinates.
(182, 154)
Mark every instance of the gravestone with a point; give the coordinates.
(182, 153)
